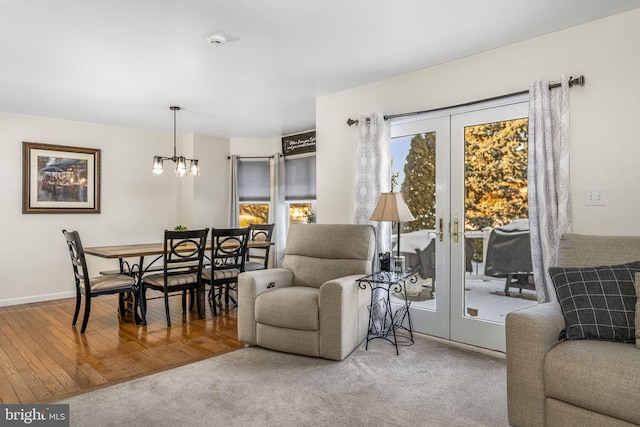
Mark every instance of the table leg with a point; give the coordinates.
(128, 303)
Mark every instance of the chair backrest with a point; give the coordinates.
(228, 248)
(261, 233)
(184, 249)
(583, 250)
(316, 253)
(76, 252)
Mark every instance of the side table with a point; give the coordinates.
(383, 322)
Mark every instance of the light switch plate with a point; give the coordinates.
(596, 196)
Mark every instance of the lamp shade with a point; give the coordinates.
(392, 207)
(157, 166)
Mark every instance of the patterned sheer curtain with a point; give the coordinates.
(549, 186)
(373, 174)
(234, 200)
(278, 212)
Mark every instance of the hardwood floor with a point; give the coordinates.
(44, 359)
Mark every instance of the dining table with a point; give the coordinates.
(142, 250)
(138, 268)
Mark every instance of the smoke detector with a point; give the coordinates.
(216, 39)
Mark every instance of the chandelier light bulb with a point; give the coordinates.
(194, 169)
(181, 167)
(157, 166)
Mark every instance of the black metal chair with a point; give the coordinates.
(228, 252)
(258, 258)
(426, 264)
(91, 287)
(182, 269)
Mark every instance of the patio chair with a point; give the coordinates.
(426, 264)
(509, 255)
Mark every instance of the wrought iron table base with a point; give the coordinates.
(383, 322)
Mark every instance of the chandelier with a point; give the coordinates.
(180, 161)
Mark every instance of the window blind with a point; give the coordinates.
(300, 178)
(253, 180)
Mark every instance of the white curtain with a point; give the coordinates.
(278, 212)
(373, 174)
(549, 187)
(234, 200)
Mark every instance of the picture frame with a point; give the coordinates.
(398, 264)
(60, 179)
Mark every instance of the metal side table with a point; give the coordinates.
(383, 322)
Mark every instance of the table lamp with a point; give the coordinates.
(392, 207)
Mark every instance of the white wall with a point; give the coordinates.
(604, 114)
(136, 206)
(211, 204)
(256, 146)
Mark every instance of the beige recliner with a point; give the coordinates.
(312, 305)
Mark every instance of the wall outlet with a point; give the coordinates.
(595, 196)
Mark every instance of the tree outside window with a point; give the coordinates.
(253, 213)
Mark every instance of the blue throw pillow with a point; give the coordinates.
(597, 302)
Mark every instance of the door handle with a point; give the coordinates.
(455, 228)
(441, 227)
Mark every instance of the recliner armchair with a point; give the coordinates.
(312, 305)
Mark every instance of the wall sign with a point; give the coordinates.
(299, 144)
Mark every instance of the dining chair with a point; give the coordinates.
(182, 269)
(228, 252)
(258, 258)
(91, 287)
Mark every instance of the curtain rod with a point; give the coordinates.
(578, 81)
(253, 157)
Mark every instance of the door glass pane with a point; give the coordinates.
(498, 273)
(413, 172)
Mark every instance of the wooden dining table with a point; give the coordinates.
(142, 250)
(150, 249)
(138, 268)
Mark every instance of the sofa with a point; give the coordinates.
(553, 381)
(313, 305)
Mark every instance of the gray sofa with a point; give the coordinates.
(312, 305)
(572, 382)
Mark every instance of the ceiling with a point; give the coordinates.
(124, 62)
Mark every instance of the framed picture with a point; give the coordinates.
(398, 264)
(60, 179)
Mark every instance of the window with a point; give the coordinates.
(300, 188)
(255, 195)
(253, 191)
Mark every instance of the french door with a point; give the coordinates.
(447, 243)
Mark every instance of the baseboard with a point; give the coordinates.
(36, 298)
(494, 353)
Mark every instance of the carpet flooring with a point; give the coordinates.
(431, 383)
